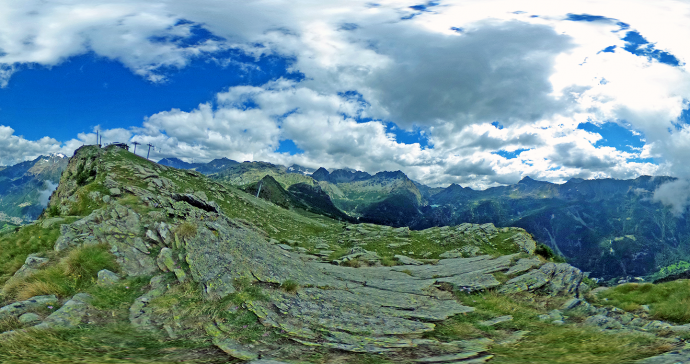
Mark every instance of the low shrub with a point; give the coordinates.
(547, 253)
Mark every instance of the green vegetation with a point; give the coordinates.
(676, 268)
(290, 286)
(668, 301)
(114, 343)
(545, 342)
(547, 253)
(192, 311)
(118, 296)
(16, 245)
(186, 230)
(73, 273)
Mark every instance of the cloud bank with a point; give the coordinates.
(491, 92)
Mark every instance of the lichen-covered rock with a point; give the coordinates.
(673, 357)
(165, 260)
(497, 320)
(71, 314)
(31, 265)
(29, 319)
(140, 313)
(556, 279)
(118, 226)
(457, 266)
(524, 240)
(107, 278)
(524, 265)
(32, 304)
(407, 260)
(228, 345)
(603, 322)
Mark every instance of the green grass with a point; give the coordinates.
(545, 342)
(669, 301)
(113, 343)
(15, 246)
(192, 311)
(290, 286)
(73, 273)
(119, 295)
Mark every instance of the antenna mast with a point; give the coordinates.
(135, 147)
(149, 152)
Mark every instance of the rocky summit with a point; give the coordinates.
(136, 262)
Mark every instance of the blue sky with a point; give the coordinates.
(478, 93)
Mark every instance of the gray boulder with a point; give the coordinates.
(407, 260)
(165, 260)
(35, 303)
(603, 322)
(140, 313)
(71, 314)
(107, 278)
(115, 225)
(556, 279)
(29, 318)
(31, 265)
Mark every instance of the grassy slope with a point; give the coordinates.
(669, 301)
(114, 341)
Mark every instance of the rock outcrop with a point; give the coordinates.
(371, 309)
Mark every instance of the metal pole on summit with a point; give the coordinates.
(147, 154)
(135, 147)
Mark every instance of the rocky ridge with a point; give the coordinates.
(157, 226)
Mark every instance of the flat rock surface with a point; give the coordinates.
(19, 308)
(71, 314)
(674, 357)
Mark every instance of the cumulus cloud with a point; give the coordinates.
(144, 37)
(675, 195)
(44, 195)
(450, 72)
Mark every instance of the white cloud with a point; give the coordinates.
(539, 77)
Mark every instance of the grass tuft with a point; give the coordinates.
(186, 230)
(290, 286)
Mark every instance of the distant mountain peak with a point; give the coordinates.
(529, 180)
(296, 168)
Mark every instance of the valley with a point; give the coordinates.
(138, 262)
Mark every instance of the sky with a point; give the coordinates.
(475, 92)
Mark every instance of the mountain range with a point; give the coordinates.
(608, 227)
(134, 261)
(25, 188)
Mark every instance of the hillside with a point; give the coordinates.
(385, 198)
(134, 262)
(25, 188)
(607, 227)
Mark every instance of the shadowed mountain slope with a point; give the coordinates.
(137, 262)
(25, 187)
